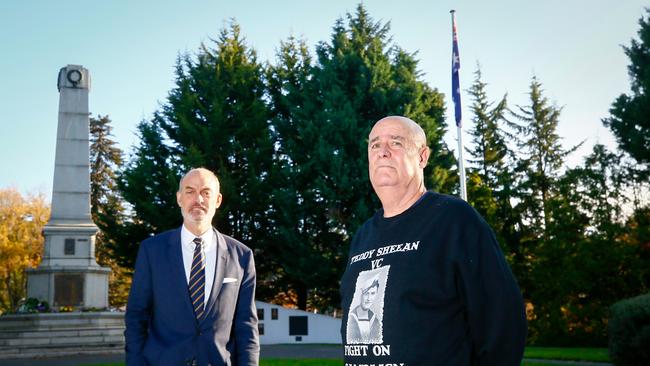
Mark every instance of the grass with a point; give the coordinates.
(303, 362)
(546, 353)
(557, 353)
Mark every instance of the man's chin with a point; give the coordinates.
(383, 183)
(196, 217)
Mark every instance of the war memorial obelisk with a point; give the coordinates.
(68, 274)
(68, 278)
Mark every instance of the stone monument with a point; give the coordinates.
(68, 274)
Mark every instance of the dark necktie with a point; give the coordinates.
(197, 279)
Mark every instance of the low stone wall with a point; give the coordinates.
(47, 334)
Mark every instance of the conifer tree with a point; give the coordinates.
(147, 183)
(214, 117)
(630, 114)
(105, 203)
(492, 182)
(542, 157)
(323, 112)
(488, 136)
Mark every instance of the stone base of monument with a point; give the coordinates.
(58, 334)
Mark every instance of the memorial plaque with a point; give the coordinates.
(68, 289)
(69, 247)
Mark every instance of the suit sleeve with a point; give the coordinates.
(495, 308)
(245, 322)
(138, 310)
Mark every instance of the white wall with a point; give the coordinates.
(320, 328)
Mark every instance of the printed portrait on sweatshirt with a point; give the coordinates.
(365, 320)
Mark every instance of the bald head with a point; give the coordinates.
(200, 171)
(417, 134)
(397, 155)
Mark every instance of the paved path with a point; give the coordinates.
(268, 351)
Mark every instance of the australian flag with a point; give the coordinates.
(455, 67)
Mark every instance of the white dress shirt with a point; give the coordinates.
(209, 254)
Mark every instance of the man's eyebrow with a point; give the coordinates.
(392, 137)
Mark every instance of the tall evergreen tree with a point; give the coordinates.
(542, 157)
(488, 136)
(492, 182)
(105, 203)
(322, 116)
(630, 114)
(214, 117)
(147, 183)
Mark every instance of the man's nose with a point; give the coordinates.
(383, 151)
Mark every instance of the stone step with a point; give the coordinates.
(40, 335)
(62, 340)
(56, 350)
(60, 332)
(69, 320)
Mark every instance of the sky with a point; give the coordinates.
(573, 47)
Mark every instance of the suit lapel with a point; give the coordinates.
(177, 269)
(219, 273)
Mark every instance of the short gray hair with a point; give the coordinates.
(199, 169)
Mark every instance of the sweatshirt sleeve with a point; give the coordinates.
(493, 302)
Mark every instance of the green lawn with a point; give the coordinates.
(556, 353)
(547, 353)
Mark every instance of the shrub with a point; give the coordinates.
(629, 331)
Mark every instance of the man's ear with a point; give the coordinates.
(219, 199)
(178, 198)
(424, 154)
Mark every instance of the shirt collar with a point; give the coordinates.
(187, 239)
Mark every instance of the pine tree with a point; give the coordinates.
(542, 157)
(488, 136)
(492, 182)
(147, 183)
(105, 203)
(323, 113)
(215, 117)
(630, 114)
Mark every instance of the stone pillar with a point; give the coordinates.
(69, 274)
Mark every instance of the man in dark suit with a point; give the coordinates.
(192, 300)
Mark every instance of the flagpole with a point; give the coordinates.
(455, 82)
(461, 166)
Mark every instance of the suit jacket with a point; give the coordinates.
(161, 328)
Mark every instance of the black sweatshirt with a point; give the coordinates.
(430, 287)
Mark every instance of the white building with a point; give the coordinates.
(281, 325)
